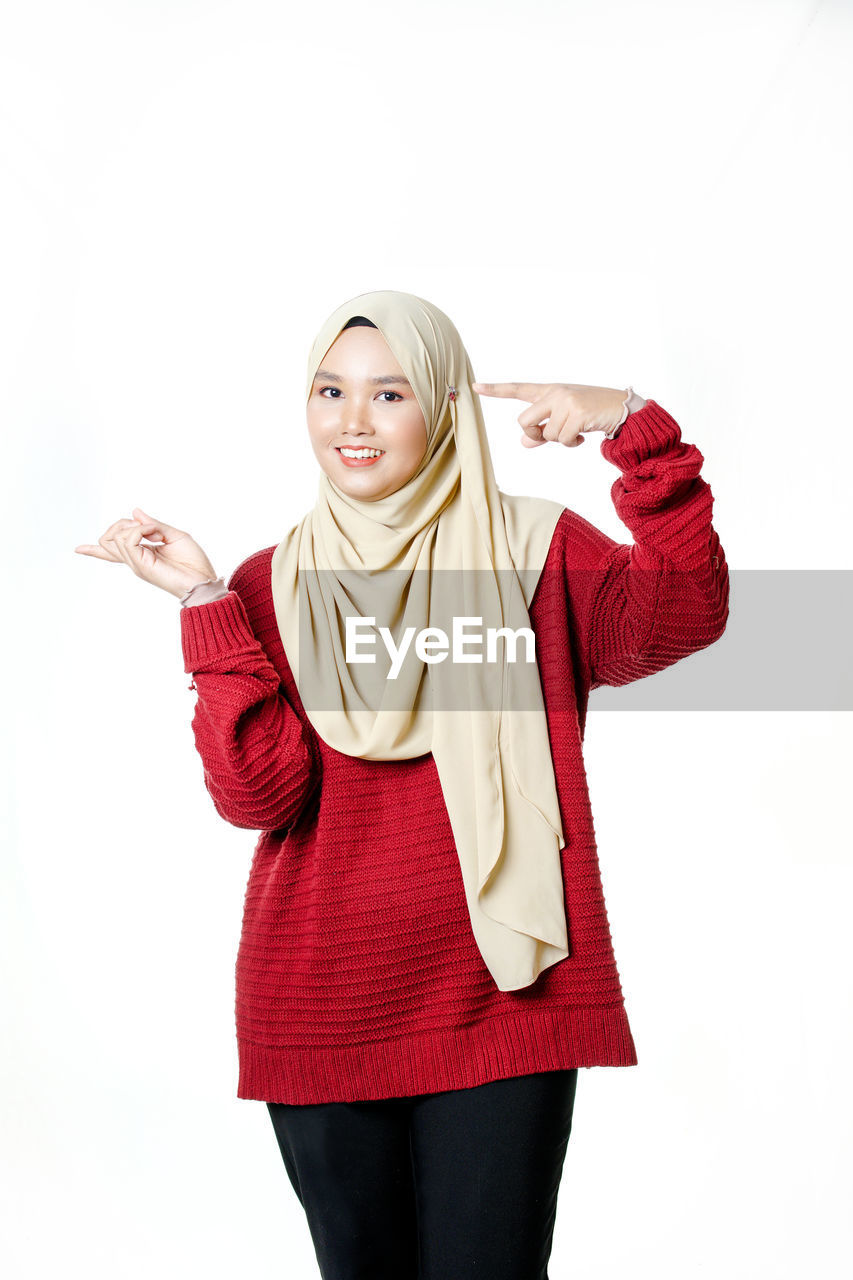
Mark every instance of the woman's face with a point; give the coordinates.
(361, 399)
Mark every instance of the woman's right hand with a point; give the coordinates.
(175, 564)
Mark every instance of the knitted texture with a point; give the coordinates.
(357, 974)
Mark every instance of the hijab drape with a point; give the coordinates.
(448, 534)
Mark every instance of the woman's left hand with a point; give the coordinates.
(565, 409)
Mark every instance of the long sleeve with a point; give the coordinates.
(641, 607)
(260, 763)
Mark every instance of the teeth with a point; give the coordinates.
(362, 453)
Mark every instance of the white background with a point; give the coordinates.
(609, 193)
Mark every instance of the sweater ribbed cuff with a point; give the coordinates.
(212, 630)
(647, 433)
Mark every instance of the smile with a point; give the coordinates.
(359, 457)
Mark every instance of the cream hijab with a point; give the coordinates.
(387, 560)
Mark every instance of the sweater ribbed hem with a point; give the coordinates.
(429, 1062)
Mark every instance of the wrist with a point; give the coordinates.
(630, 404)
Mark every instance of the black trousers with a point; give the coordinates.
(438, 1186)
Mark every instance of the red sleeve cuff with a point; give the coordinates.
(211, 630)
(648, 433)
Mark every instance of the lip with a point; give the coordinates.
(357, 462)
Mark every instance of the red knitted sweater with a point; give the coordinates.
(357, 975)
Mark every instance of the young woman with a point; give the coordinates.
(426, 961)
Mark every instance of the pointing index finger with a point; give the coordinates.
(511, 390)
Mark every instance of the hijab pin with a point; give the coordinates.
(451, 393)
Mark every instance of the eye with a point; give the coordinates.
(321, 390)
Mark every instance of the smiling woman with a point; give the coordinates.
(367, 430)
(425, 959)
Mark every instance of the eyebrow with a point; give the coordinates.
(380, 381)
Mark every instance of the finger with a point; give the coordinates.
(150, 529)
(133, 533)
(510, 390)
(530, 443)
(557, 428)
(540, 411)
(535, 434)
(114, 527)
(120, 523)
(564, 430)
(127, 544)
(141, 557)
(108, 540)
(97, 553)
(569, 434)
(167, 532)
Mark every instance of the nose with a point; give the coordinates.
(356, 421)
